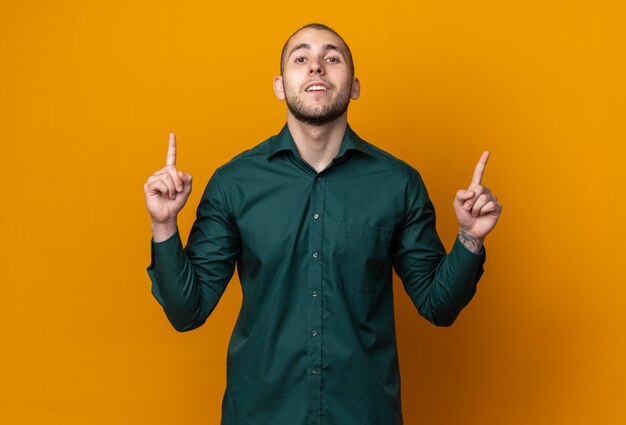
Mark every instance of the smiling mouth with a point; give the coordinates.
(316, 88)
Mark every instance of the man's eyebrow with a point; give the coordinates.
(333, 47)
(308, 46)
(298, 47)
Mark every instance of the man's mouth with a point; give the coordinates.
(316, 88)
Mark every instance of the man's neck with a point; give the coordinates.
(317, 145)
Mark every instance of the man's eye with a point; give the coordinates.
(332, 60)
(300, 60)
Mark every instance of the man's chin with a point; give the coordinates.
(317, 117)
(318, 120)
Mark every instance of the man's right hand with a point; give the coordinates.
(166, 192)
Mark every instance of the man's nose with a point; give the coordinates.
(315, 68)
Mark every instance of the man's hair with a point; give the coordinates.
(317, 27)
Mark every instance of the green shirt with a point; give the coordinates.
(315, 342)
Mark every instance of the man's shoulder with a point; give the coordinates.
(389, 162)
(247, 158)
(385, 157)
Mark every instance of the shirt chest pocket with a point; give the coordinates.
(363, 257)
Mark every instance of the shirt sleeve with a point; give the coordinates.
(439, 284)
(188, 283)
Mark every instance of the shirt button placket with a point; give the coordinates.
(315, 264)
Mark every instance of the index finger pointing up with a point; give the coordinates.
(171, 151)
(480, 169)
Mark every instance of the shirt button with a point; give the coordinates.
(319, 179)
(314, 294)
(316, 216)
(314, 371)
(315, 255)
(314, 333)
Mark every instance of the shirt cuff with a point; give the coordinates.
(466, 260)
(168, 254)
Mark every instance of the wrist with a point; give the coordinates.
(163, 231)
(472, 243)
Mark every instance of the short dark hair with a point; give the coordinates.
(317, 27)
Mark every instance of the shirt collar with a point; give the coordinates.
(284, 142)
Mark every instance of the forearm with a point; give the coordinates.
(175, 285)
(453, 285)
(439, 284)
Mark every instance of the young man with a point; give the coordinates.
(314, 218)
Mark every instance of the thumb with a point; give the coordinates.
(185, 177)
(463, 195)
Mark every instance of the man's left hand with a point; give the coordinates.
(476, 208)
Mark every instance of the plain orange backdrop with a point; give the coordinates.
(90, 90)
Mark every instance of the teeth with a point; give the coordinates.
(316, 88)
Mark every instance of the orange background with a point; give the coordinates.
(89, 92)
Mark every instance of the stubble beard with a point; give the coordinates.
(317, 115)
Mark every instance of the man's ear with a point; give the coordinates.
(279, 89)
(356, 89)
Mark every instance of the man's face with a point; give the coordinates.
(317, 81)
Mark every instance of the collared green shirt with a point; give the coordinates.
(315, 341)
